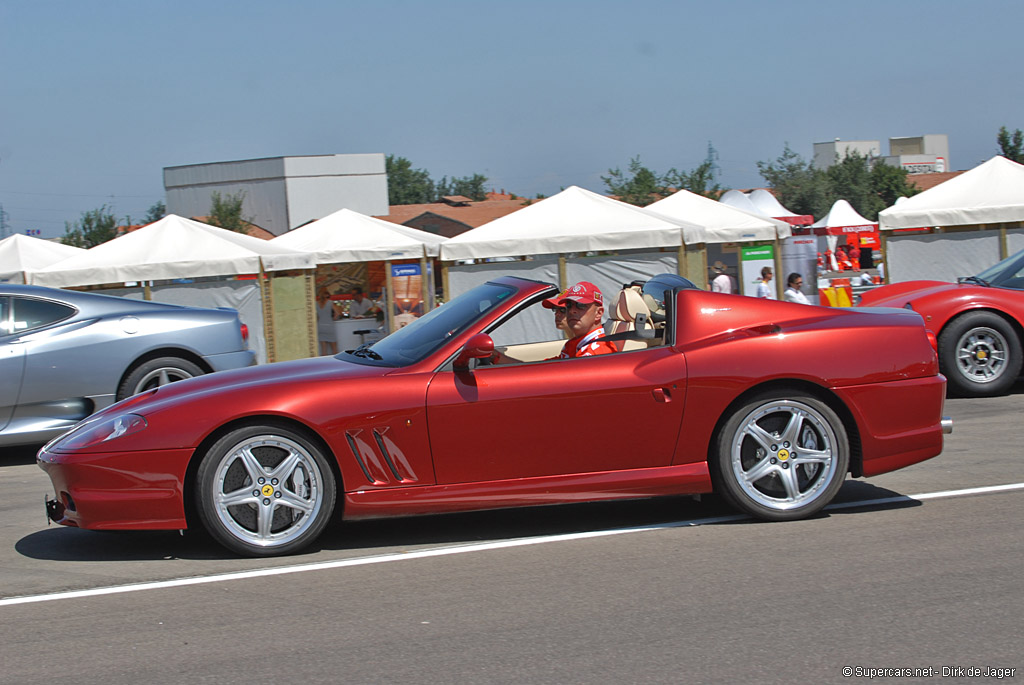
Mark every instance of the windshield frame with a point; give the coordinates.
(426, 335)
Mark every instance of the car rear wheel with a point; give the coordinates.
(980, 354)
(156, 372)
(781, 456)
(265, 491)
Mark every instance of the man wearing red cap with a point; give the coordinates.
(558, 308)
(584, 306)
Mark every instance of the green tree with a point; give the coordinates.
(1011, 146)
(868, 187)
(800, 187)
(703, 180)
(850, 179)
(226, 211)
(889, 183)
(639, 187)
(156, 212)
(467, 186)
(94, 227)
(408, 186)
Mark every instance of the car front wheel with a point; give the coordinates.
(156, 372)
(980, 355)
(781, 456)
(265, 491)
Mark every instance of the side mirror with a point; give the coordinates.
(479, 346)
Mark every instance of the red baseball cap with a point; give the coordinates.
(583, 292)
(555, 302)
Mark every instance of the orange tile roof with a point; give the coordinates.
(926, 181)
(472, 215)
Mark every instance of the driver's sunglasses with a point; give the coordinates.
(573, 305)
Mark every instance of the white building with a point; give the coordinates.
(928, 154)
(282, 193)
(827, 154)
(917, 154)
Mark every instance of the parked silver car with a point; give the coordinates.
(65, 355)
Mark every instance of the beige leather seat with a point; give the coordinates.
(627, 307)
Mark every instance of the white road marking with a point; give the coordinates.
(472, 547)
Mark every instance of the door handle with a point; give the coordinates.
(662, 394)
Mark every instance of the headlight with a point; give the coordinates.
(104, 430)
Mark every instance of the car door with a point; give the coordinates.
(52, 359)
(12, 364)
(592, 414)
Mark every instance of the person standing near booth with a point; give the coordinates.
(722, 282)
(793, 293)
(361, 305)
(325, 331)
(764, 289)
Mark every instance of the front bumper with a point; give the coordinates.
(117, 490)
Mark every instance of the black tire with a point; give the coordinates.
(156, 372)
(781, 456)
(979, 354)
(265, 491)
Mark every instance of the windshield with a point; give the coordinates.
(1008, 273)
(426, 334)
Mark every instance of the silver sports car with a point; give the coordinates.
(67, 354)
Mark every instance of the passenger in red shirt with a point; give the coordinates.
(584, 307)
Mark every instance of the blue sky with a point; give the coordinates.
(98, 96)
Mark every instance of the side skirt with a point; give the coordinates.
(685, 479)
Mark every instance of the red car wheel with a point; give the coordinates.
(980, 354)
(265, 491)
(781, 456)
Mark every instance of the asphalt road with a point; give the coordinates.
(667, 590)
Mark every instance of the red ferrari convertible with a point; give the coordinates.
(979, 321)
(768, 403)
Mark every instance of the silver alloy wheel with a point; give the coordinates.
(981, 354)
(268, 490)
(160, 376)
(784, 455)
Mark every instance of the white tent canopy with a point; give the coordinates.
(843, 218)
(574, 220)
(740, 200)
(346, 236)
(173, 247)
(990, 193)
(21, 253)
(768, 204)
(720, 223)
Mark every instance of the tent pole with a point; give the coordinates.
(883, 240)
(389, 297)
(267, 305)
(562, 274)
(681, 266)
(445, 292)
(779, 290)
(425, 288)
(147, 293)
(1003, 247)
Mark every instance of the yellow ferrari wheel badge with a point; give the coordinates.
(268, 490)
(981, 354)
(783, 455)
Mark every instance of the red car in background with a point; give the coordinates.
(768, 403)
(979, 321)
